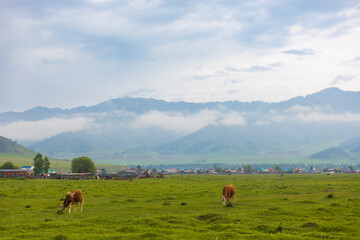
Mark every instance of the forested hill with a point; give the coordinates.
(334, 99)
(12, 147)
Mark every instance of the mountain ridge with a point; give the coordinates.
(142, 105)
(151, 130)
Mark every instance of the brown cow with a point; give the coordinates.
(73, 197)
(160, 176)
(228, 193)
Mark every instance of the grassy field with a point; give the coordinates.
(55, 164)
(185, 207)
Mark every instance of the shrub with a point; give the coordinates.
(60, 212)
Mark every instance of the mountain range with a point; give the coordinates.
(149, 131)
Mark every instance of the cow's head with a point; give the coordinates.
(223, 200)
(62, 207)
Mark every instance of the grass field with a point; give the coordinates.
(55, 164)
(185, 207)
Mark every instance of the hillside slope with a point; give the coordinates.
(10, 147)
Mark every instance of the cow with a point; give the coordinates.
(228, 193)
(73, 197)
(160, 176)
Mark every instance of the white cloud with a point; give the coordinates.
(39, 130)
(89, 52)
(302, 109)
(321, 117)
(232, 119)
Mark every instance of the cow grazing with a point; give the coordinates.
(73, 197)
(228, 193)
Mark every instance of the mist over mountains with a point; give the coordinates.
(153, 131)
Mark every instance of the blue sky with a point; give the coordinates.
(71, 53)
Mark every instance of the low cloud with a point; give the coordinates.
(306, 115)
(42, 129)
(303, 109)
(186, 123)
(321, 117)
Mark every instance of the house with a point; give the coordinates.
(75, 176)
(27, 168)
(14, 173)
(287, 170)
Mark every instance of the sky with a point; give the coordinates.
(83, 52)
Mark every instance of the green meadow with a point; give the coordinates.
(307, 206)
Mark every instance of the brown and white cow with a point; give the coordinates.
(228, 193)
(73, 198)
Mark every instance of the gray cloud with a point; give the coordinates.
(342, 78)
(232, 81)
(262, 68)
(299, 52)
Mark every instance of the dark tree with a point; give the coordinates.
(38, 164)
(9, 165)
(46, 165)
(217, 168)
(248, 168)
(82, 165)
(278, 168)
(138, 168)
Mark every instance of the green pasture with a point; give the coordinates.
(185, 207)
(55, 164)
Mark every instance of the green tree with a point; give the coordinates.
(248, 168)
(217, 168)
(38, 164)
(9, 165)
(138, 168)
(351, 168)
(46, 165)
(278, 168)
(82, 165)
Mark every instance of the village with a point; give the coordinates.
(138, 172)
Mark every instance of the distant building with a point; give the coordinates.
(27, 168)
(13, 173)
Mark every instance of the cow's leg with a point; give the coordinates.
(81, 204)
(70, 207)
(76, 204)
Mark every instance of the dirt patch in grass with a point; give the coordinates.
(267, 229)
(306, 202)
(310, 224)
(60, 237)
(211, 217)
(330, 196)
(149, 235)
